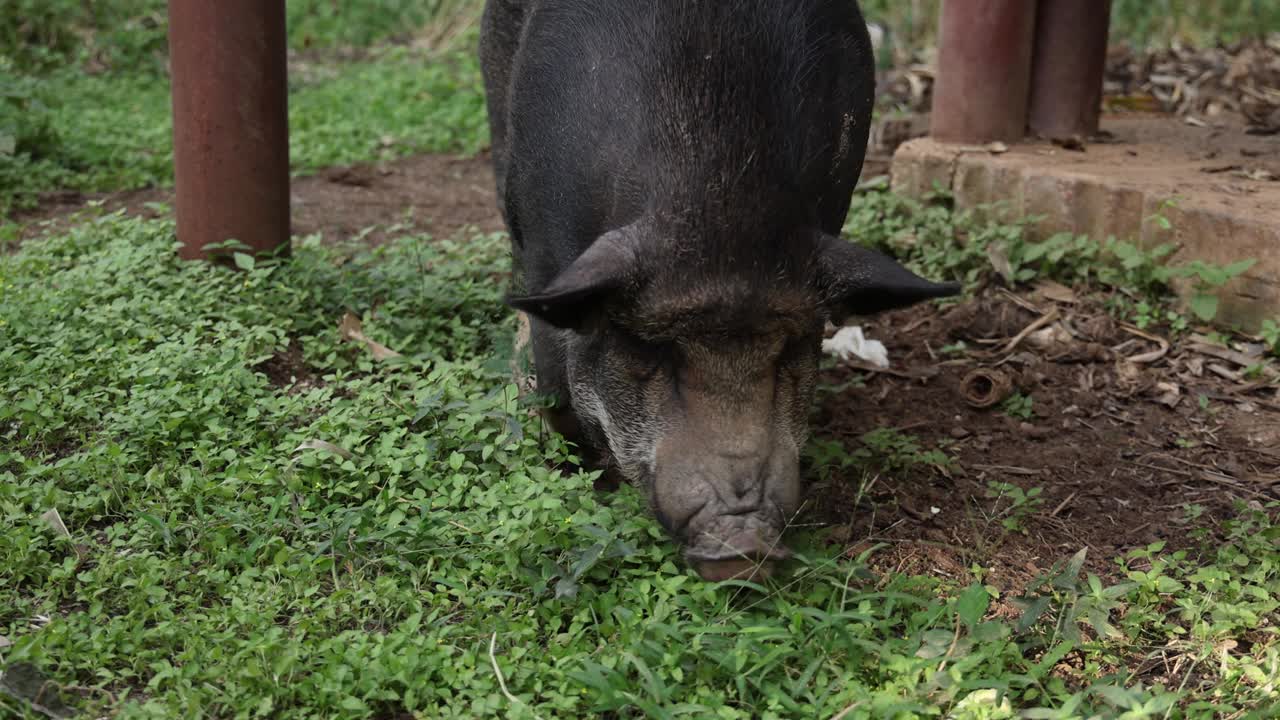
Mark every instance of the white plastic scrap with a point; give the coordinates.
(877, 33)
(849, 342)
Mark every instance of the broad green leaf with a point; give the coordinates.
(1204, 305)
(972, 604)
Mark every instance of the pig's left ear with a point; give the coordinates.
(569, 299)
(859, 281)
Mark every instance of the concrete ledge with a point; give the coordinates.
(1225, 207)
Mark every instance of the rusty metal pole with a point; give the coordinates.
(984, 67)
(1070, 58)
(230, 123)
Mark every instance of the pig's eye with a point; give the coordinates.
(644, 359)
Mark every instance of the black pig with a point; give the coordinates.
(674, 175)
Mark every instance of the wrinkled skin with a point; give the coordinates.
(674, 175)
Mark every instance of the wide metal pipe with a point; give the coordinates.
(1070, 58)
(984, 68)
(230, 123)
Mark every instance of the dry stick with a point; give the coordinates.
(1229, 482)
(1148, 466)
(865, 367)
(1206, 473)
(1010, 469)
(1223, 372)
(502, 683)
(840, 715)
(1023, 302)
(1064, 503)
(955, 640)
(1249, 387)
(460, 526)
(1039, 323)
(1148, 357)
(913, 325)
(1232, 356)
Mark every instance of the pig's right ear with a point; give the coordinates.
(602, 268)
(860, 281)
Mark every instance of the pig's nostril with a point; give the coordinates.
(680, 524)
(747, 484)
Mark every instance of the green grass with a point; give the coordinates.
(100, 134)
(84, 97)
(394, 106)
(939, 241)
(62, 128)
(111, 132)
(123, 33)
(351, 546)
(234, 565)
(130, 35)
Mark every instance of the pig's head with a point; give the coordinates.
(697, 373)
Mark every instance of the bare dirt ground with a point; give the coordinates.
(1122, 434)
(436, 194)
(1125, 433)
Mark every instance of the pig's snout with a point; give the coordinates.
(736, 547)
(726, 497)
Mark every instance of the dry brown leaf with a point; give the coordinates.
(1195, 366)
(1000, 262)
(352, 329)
(325, 446)
(1258, 174)
(1169, 394)
(1054, 336)
(1224, 372)
(1232, 356)
(1056, 292)
(54, 519)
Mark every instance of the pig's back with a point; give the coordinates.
(737, 111)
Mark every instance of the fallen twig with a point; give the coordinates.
(1040, 322)
(1064, 503)
(1148, 357)
(1235, 357)
(502, 682)
(1021, 302)
(1011, 469)
(917, 375)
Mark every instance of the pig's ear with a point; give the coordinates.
(859, 281)
(603, 267)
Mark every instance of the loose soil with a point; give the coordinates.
(1119, 448)
(436, 194)
(1123, 437)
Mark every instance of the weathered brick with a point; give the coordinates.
(1107, 191)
